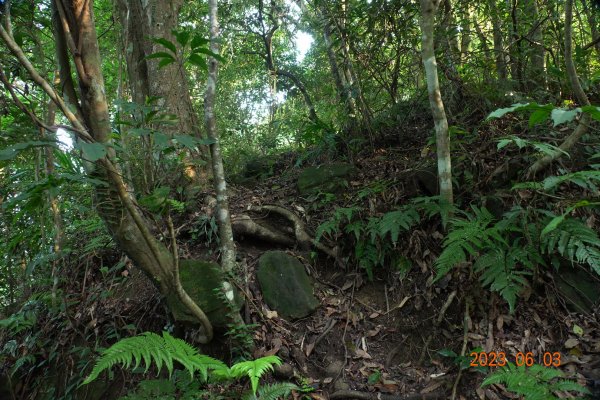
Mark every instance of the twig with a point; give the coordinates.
(436, 324)
(464, 346)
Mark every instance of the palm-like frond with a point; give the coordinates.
(255, 369)
(150, 347)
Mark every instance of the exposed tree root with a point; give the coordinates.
(246, 225)
(302, 237)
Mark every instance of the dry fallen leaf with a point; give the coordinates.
(570, 343)
(362, 354)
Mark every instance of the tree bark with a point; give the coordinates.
(114, 203)
(498, 42)
(580, 95)
(428, 10)
(141, 21)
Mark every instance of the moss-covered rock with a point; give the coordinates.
(203, 281)
(325, 178)
(285, 285)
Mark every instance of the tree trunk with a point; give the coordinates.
(536, 71)
(428, 10)
(498, 42)
(580, 95)
(114, 203)
(142, 21)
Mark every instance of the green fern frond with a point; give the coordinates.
(533, 383)
(396, 221)
(585, 179)
(149, 347)
(435, 205)
(272, 392)
(255, 369)
(575, 241)
(466, 238)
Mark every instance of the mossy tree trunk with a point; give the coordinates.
(89, 119)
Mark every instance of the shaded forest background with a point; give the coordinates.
(433, 166)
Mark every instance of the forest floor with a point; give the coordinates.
(399, 334)
(396, 336)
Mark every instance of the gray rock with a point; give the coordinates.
(285, 285)
(325, 178)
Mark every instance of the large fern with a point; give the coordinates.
(501, 269)
(254, 369)
(272, 392)
(164, 351)
(467, 236)
(534, 383)
(151, 347)
(573, 240)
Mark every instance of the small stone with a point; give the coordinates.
(333, 369)
(340, 385)
(284, 371)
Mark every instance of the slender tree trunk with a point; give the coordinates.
(498, 42)
(428, 10)
(536, 70)
(580, 95)
(228, 262)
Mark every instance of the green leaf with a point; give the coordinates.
(182, 37)
(11, 152)
(161, 55)
(166, 43)
(560, 116)
(208, 52)
(187, 141)
(197, 60)
(164, 62)
(538, 116)
(503, 111)
(198, 41)
(593, 111)
(92, 151)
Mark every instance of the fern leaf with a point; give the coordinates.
(255, 369)
(152, 347)
(396, 221)
(272, 392)
(574, 241)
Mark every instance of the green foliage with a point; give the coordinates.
(149, 347)
(573, 240)
(533, 383)
(195, 51)
(541, 113)
(164, 351)
(466, 237)
(508, 251)
(254, 369)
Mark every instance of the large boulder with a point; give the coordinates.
(325, 178)
(203, 281)
(285, 285)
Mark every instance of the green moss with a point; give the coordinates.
(285, 285)
(202, 281)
